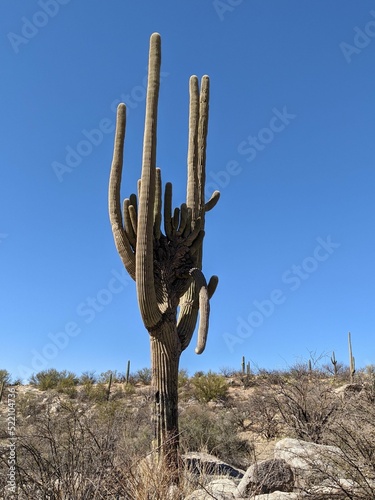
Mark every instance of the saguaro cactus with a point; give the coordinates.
(351, 359)
(166, 267)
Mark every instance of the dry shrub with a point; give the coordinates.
(354, 433)
(214, 431)
(306, 404)
(259, 414)
(66, 450)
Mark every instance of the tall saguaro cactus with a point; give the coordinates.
(166, 266)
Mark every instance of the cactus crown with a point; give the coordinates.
(166, 265)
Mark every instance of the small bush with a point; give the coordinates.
(88, 377)
(227, 372)
(67, 385)
(258, 414)
(144, 376)
(183, 378)
(105, 377)
(63, 381)
(215, 432)
(5, 377)
(209, 387)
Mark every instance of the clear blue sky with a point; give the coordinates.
(290, 147)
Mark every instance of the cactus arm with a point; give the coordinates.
(190, 305)
(183, 219)
(204, 308)
(192, 180)
(146, 293)
(175, 220)
(168, 210)
(188, 316)
(133, 211)
(202, 141)
(212, 201)
(121, 240)
(198, 126)
(212, 285)
(128, 224)
(187, 229)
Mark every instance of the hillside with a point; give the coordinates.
(86, 438)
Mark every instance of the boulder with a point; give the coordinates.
(277, 495)
(310, 461)
(267, 476)
(220, 489)
(347, 391)
(205, 464)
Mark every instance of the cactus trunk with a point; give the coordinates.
(165, 356)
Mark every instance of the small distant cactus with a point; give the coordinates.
(334, 362)
(2, 385)
(127, 373)
(351, 359)
(108, 393)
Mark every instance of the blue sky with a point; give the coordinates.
(290, 147)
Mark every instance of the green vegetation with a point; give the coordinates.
(209, 387)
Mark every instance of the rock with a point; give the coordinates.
(347, 391)
(278, 495)
(220, 489)
(204, 463)
(267, 476)
(309, 461)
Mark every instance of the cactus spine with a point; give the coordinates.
(351, 359)
(167, 267)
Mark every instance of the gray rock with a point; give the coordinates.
(267, 476)
(220, 489)
(347, 391)
(206, 464)
(311, 463)
(277, 495)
